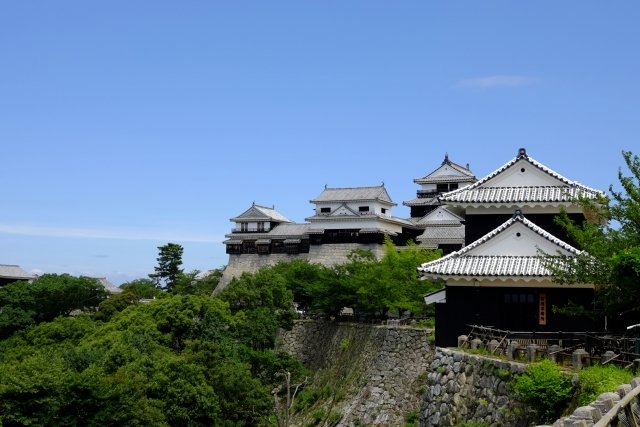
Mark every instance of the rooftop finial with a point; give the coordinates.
(517, 213)
(325, 186)
(522, 152)
(254, 203)
(383, 183)
(468, 167)
(446, 158)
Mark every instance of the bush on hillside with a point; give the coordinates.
(545, 388)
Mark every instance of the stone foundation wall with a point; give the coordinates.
(463, 387)
(386, 367)
(327, 255)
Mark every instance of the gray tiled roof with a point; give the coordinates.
(547, 194)
(110, 287)
(289, 230)
(445, 178)
(10, 271)
(261, 213)
(483, 192)
(464, 176)
(437, 218)
(443, 234)
(422, 202)
(280, 231)
(320, 220)
(378, 193)
(460, 263)
(492, 265)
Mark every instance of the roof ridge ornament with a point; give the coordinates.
(518, 214)
(446, 158)
(522, 152)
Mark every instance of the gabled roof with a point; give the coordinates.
(109, 287)
(378, 193)
(289, 230)
(520, 181)
(261, 213)
(445, 234)
(343, 209)
(440, 216)
(511, 250)
(11, 271)
(448, 171)
(418, 201)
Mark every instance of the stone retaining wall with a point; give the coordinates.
(387, 366)
(464, 387)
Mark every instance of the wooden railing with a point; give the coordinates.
(624, 413)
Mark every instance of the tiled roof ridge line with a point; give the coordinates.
(533, 162)
(519, 217)
(355, 188)
(462, 169)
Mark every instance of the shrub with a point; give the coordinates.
(545, 388)
(598, 379)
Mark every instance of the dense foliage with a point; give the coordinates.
(177, 360)
(369, 286)
(545, 388)
(595, 380)
(176, 356)
(611, 239)
(24, 304)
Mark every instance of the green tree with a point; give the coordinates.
(546, 388)
(168, 270)
(178, 360)
(610, 238)
(142, 288)
(391, 284)
(195, 283)
(24, 304)
(262, 298)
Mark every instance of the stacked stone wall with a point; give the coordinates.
(387, 366)
(463, 387)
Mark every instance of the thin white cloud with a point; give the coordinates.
(499, 80)
(107, 233)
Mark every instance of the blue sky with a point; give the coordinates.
(126, 125)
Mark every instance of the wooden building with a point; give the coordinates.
(498, 279)
(447, 177)
(501, 281)
(357, 215)
(522, 183)
(441, 227)
(262, 230)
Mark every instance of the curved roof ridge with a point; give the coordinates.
(458, 167)
(519, 217)
(354, 188)
(522, 154)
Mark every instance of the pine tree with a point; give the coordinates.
(168, 270)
